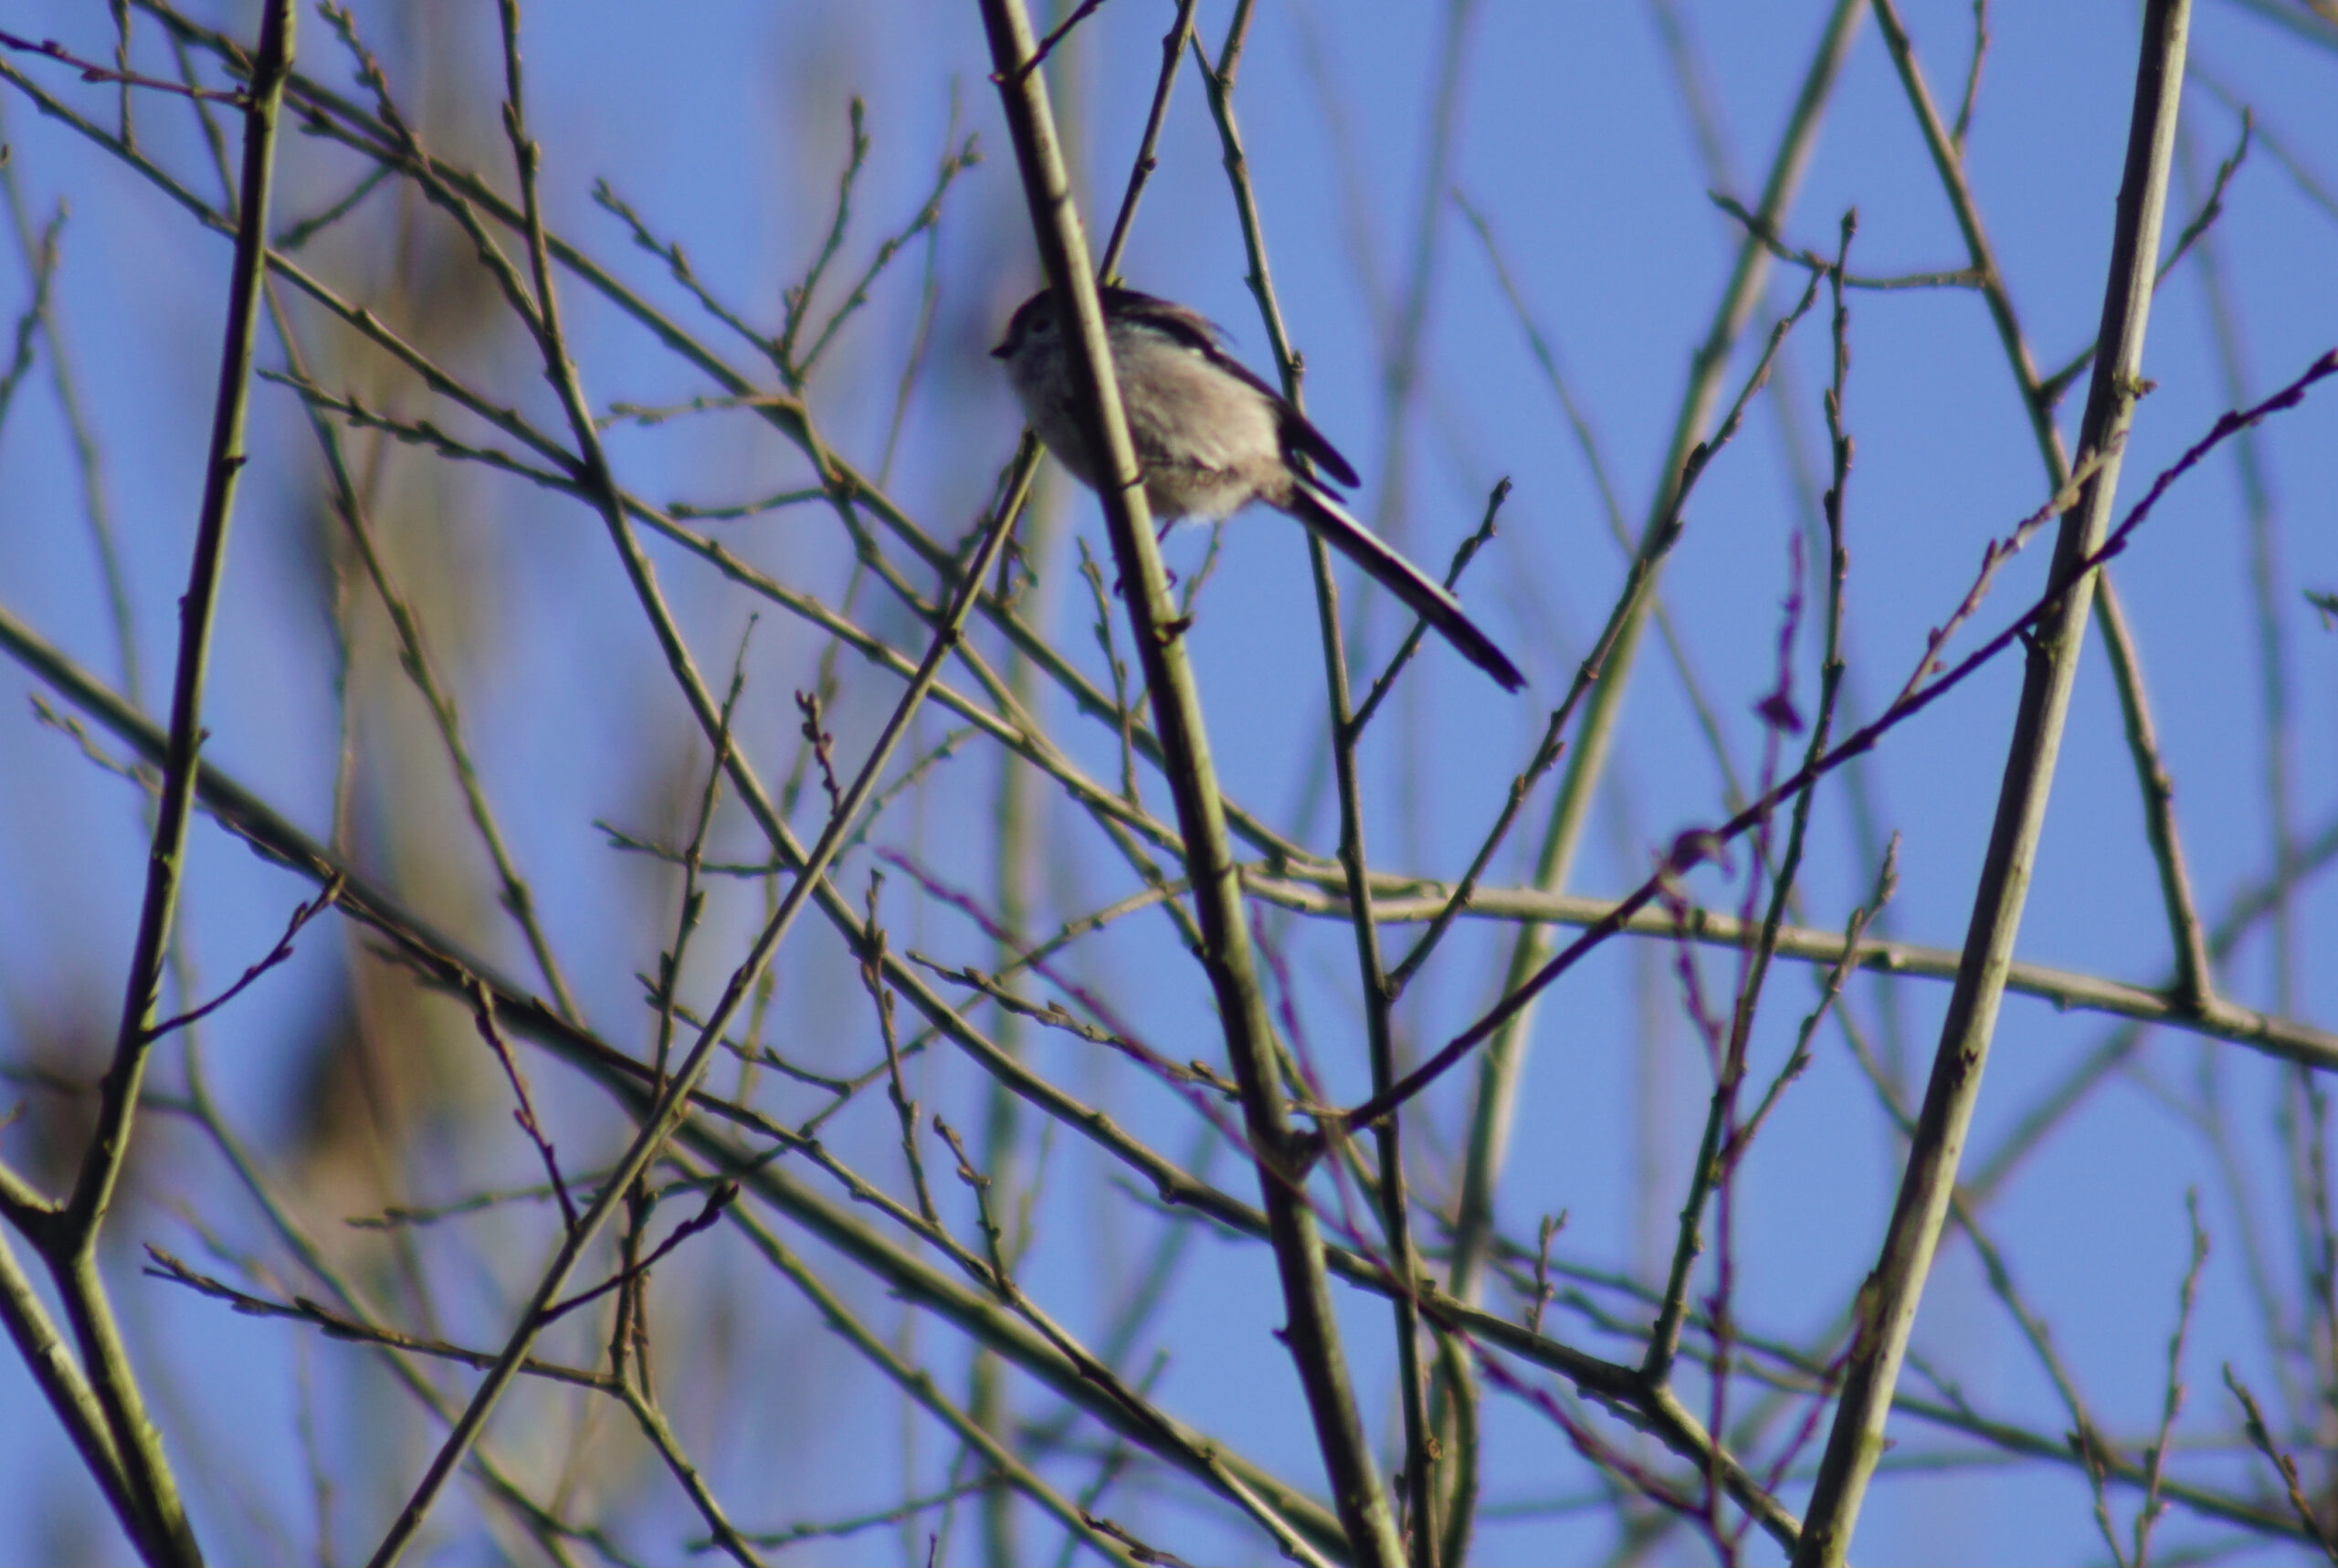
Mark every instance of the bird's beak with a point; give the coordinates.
(999, 352)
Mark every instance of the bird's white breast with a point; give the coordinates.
(1208, 443)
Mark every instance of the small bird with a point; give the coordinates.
(1211, 437)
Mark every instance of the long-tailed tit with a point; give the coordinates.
(1211, 437)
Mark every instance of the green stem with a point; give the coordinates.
(1888, 1303)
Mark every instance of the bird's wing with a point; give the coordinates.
(1198, 333)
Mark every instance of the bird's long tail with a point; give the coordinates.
(1423, 595)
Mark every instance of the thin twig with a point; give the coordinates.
(1463, 554)
(2155, 1459)
(277, 955)
(54, 50)
(718, 1197)
(1062, 30)
(872, 977)
(1810, 260)
(162, 1265)
(36, 311)
(483, 1016)
(1172, 48)
(1973, 74)
(2260, 1437)
(808, 704)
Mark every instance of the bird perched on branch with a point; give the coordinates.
(1211, 438)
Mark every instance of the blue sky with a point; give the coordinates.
(722, 125)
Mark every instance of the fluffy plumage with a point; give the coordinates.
(1211, 437)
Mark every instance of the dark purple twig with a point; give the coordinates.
(276, 955)
(483, 1015)
(234, 97)
(966, 904)
(1585, 1441)
(717, 1198)
(1462, 556)
(1047, 45)
(808, 704)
